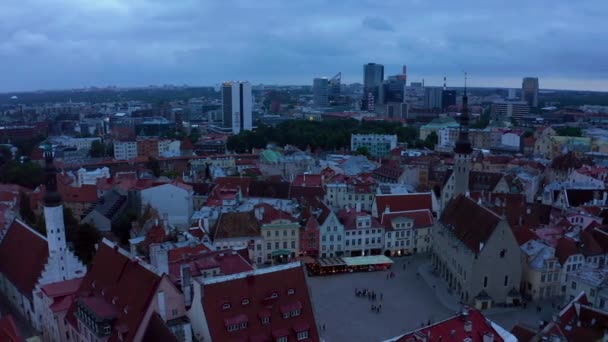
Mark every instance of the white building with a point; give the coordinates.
(331, 234)
(169, 148)
(173, 200)
(504, 111)
(237, 106)
(378, 145)
(125, 150)
(78, 143)
(28, 260)
(91, 177)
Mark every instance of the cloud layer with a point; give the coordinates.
(75, 43)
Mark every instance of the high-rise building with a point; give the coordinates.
(505, 111)
(394, 89)
(432, 97)
(236, 106)
(320, 92)
(529, 91)
(373, 91)
(335, 83)
(448, 98)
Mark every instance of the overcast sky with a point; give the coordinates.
(54, 44)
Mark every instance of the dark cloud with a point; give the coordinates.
(377, 23)
(70, 43)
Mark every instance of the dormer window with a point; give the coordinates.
(274, 295)
(245, 301)
(291, 291)
(226, 306)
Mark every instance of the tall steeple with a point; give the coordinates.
(53, 209)
(462, 150)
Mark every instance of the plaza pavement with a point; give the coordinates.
(409, 301)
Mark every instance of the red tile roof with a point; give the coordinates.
(523, 235)
(422, 218)
(115, 282)
(228, 261)
(177, 254)
(236, 225)
(459, 215)
(257, 288)
(565, 248)
(404, 202)
(30, 248)
(453, 329)
(523, 333)
(61, 288)
(348, 217)
(8, 330)
(157, 330)
(271, 214)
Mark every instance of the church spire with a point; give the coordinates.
(51, 195)
(463, 145)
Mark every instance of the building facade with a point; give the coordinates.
(378, 145)
(237, 106)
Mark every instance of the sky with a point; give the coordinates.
(63, 44)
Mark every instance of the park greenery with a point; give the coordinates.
(329, 135)
(569, 131)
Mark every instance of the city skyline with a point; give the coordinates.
(74, 45)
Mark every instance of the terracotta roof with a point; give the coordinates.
(186, 144)
(523, 235)
(236, 225)
(404, 202)
(565, 248)
(459, 215)
(566, 161)
(8, 330)
(523, 333)
(271, 214)
(112, 283)
(258, 287)
(157, 330)
(589, 245)
(242, 183)
(228, 262)
(61, 288)
(348, 217)
(392, 172)
(30, 248)
(308, 180)
(422, 218)
(454, 329)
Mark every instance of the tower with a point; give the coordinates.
(462, 150)
(236, 106)
(53, 208)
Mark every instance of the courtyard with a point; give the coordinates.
(412, 298)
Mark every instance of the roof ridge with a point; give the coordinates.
(26, 226)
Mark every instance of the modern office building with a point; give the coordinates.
(373, 91)
(394, 89)
(236, 106)
(448, 98)
(320, 92)
(529, 91)
(505, 111)
(432, 97)
(378, 145)
(335, 84)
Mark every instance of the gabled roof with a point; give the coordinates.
(404, 202)
(471, 223)
(454, 329)
(236, 225)
(565, 248)
(30, 248)
(249, 297)
(484, 181)
(422, 218)
(523, 333)
(8, 330)
(228, 262)
(115, 282)
(348, 217)
(157, 330)
(270, 214)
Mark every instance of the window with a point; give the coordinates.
(291, 291)
(226, 306)
(293, 244)
(339, 237)
(284, 244)
(259, 247)
(274, 295)
(269, 245)
(243, 325)
(348, 242)
(506, 283)
(285, 314)
(276, 233)
(268, 233)
(485, 282)
(573, 285)
(284, 233)
(276, 245)
(233, 327)
(592, 292)
(323, 238)
(174, 312)
(293, 233)
(265, 320)
(281, 339)
(296, 312)
(502, 253)
(542, 278)
(245, 301)
(568, 268)
(302, 335)
(106, 329)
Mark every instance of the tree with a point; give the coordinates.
(98, 149)
(194, 135)
(431, 140)
(28, 174)
(362, 151)
(528, 134)
(153, 165)
(570, 131)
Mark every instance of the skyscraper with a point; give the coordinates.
(335, 83)
(320, 92)
(373, 91)
(236, 106)
(529, 91)
(394, 89)
(432, 97)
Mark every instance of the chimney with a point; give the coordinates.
(468, 326)
(186, 279)
(162, 309)
(488, 337)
